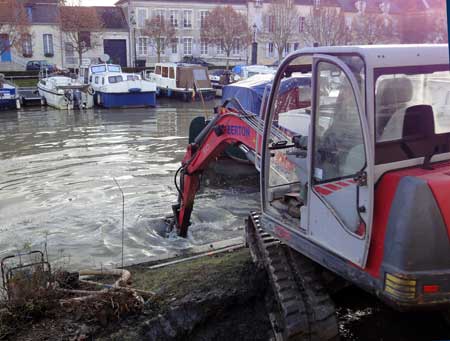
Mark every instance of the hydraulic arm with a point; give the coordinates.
(228, 127)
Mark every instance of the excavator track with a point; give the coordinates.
(302, 309)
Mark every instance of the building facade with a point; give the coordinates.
(122, 36)
(47, 41)
(186, 17)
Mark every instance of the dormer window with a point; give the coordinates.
(385, 7)
(361, 6)
(316, 3)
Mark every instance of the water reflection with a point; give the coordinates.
(56, 183)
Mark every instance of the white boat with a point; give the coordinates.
(247, 71)
(188, 82)
(114, 88)
(9, 97)
(63, 92)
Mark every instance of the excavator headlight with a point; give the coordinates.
(400, 288)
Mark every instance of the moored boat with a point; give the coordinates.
(116, 89)
(188, 82)
(9, 98)
(63, 92)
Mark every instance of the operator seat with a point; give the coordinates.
(392, 98)
(419, 138)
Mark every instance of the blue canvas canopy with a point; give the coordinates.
(249, 92)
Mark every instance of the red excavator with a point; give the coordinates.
(355, 184)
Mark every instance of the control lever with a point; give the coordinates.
(300, 142)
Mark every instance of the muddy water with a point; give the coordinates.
(57, 172)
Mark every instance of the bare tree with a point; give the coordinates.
(373, 28)
(14, 25)
(160, 31)
(80, 25)
(227, 28)
(326, 26)
(281, 24)
(439, 30)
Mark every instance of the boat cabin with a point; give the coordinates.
(179, 76)
(88, 72)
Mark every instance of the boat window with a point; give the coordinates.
(96, 79)
(172, 73)
(165, 72)
(114, 68)
(132, 77)
(115, 79)
(98, 68)
(103, 80)
(200, 74)
(158, 70)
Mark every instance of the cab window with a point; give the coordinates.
(338, 137)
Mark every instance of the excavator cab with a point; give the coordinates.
(354, 180)
(324, 171)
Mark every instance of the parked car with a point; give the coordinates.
(195, 60)
(38, 65)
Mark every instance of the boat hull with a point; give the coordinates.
(8, 98)
(187, 95)
(126, 99)
(59, 101)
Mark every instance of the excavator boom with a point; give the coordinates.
(228, 127)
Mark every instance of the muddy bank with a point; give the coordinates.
(218, 297)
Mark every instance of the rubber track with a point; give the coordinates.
(305, 307)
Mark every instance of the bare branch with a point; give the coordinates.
(281, 24)
(79, 23)
(160, 31)
(225, 27)
(14, 25)
(326, 26)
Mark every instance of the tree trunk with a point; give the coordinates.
(280, 54)
(158, 55)
(80, 56)
(228, 60)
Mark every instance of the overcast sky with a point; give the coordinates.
(99, 2)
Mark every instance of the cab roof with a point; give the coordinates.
(378, 56)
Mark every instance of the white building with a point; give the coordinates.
(186, 17)
(47, 42)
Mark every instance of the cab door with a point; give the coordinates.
(340, 195)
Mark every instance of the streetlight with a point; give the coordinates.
(133, 25)
(254, 46)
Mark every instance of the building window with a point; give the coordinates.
(203, 15)
(27, 47)
(301, 24)
(296, 46)
(48, 45)
(85, 38)
(162, 45)
(70, 53)
(270, 49)
(258, 3)
(187, 18)
(159, 13)
(142, 46)
(203, 47)
(141, 17)
(287, 48)
(187, 46)
(220, 48)
(236, 47)
(271, 23)
(174, 45)
(174, 18)
(316, 3)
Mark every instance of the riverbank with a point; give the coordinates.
(215, 297)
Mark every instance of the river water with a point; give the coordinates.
(57, 171)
